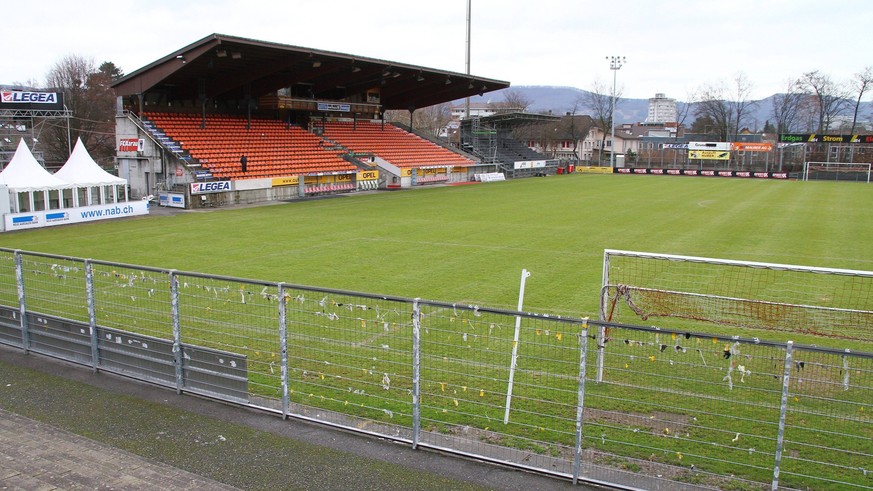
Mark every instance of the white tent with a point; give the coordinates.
(24, 175)
(81, 171)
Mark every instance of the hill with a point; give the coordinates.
(561, 100)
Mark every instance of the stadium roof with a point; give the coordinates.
(226, 67)
(513, 119)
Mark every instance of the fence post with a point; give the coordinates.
(22, 304)
(783, 409)
(177, 331)
(601, 351)
(416, 373)
(283, 349)
(580, 404)
(92, 314)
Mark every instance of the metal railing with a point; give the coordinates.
(674, 410)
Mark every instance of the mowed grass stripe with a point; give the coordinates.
(470, 243)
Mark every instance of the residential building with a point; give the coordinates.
(662, 109)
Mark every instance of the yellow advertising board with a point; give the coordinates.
(343, 178)
(593, 170)
(368, 175)
(286, 181)
(708, 155)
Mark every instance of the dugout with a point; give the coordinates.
(246, 87)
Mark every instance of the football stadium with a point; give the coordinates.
(299, 255)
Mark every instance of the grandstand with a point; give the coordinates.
(410, 153)
(491, 139)
(232, 120)
(271, 148)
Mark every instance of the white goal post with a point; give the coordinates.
(698, 294)
(837, 171)
(701, 291)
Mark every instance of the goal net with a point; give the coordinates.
(837, 171)
(640, 286)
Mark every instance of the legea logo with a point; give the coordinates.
(11, 96)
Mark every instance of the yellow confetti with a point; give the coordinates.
(321, 375)
(714, 341)
(443, 386)
(673, 335)
(345, 403)
(679, 454)
(455, 402)
(666, 431)
(539, 332)
(626, 365)
(481, 393)
(559, 335)
(363, 323)
(452, 319)
(465, 388)
(257, 353)
(652, 358)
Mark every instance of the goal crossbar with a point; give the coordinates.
(862, 169)
(784, 297)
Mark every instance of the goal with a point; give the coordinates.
(695, 292)
(837, 171)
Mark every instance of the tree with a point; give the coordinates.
(712, 106)
(599, 102)
(743, 106)
(514, 101)
(861, 83)
(88, 95)
(788, 108)
(431, 120)
(829, 98)
(727, 114)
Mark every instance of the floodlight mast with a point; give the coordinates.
(615, 64)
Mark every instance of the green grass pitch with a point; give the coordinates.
(470, 243)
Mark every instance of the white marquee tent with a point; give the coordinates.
(32, 186)
(83, 173)
(80, 192)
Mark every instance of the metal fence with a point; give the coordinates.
(674, 410)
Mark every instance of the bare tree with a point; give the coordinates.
(727, 113)
(514, 100)
(88, 95)
(599, 102)
(431, 120)
(787, 108)
(742, 104)
(682, 112)
(829, 97)
(712, 105)
(861, 83)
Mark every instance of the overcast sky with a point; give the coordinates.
(671, 46)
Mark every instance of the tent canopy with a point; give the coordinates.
(82, 171)
(24, 174)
